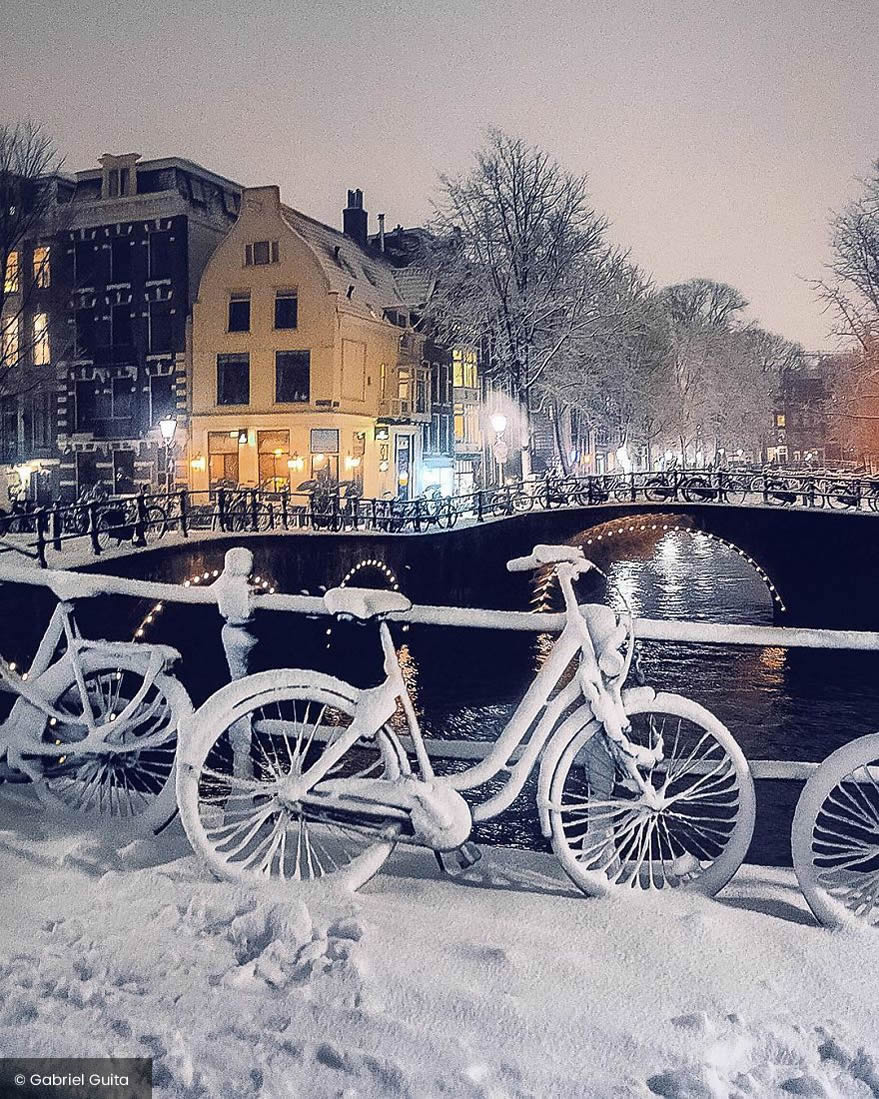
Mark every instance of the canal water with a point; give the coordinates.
(778, 703)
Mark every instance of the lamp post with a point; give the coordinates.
(168, 428)
(500, 449)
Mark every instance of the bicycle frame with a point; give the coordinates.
(377, 705)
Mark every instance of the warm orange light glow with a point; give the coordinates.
(198, 462)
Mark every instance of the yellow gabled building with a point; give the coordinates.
(304, 363)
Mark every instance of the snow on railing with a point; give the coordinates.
(235, 600)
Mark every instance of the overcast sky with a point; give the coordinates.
(716, 136)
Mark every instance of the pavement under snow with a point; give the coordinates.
(503, 983)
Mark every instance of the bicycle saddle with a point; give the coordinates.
(365, 603)
(546, 555)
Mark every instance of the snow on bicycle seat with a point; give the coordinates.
(365, 603)
(545, 555)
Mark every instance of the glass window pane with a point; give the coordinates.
(233, 379)
(286, 309)
(239, 313)
(292, 377)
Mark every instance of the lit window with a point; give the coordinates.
(460, 427)
(10, 341)
(403, 391)
(260, 253)
(11, 282)
(780, 419)
(41, 266)
(464, 368)
(41, 339)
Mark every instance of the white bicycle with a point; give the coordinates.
(94, 723)
(835, 835)
(298, 776)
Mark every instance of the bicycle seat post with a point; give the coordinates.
(394, 673)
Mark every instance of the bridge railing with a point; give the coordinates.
(96, 525)
(713, 633)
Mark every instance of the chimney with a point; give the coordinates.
(381, 232)
(354, 218)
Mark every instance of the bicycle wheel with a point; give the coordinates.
(657, 490)
(735, 490)
(606, 836)
(244, 814)
(699, 490)
(835, 836)
(155, 526)
(841, 495)
(522, 502)
(136, 785)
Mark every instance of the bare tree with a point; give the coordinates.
(699, 314)
(520, 263)
(29, 218)
(850, 291)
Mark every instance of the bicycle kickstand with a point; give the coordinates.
(464, 857)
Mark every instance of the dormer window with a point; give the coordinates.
(119, 175)
(261, 252)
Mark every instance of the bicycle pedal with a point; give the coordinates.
(461, 858)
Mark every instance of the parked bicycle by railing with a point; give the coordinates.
(298, 776)
(94, 723)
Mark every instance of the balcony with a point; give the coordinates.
(412, 402)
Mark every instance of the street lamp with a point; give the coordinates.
(500, 449)
(168, 428)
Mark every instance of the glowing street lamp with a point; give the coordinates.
(168, 428)
(500, 449)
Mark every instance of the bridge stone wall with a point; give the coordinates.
(822, 562)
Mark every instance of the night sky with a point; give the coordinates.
(717, 137)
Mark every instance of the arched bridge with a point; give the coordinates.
(814, 541)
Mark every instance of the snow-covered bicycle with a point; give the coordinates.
(835, 835)
(94, 723)
(296, 775)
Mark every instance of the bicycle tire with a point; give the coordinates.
(698, 850)
(835, 836)
(70, 785)
(254, 707)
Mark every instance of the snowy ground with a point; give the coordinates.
(503, 984)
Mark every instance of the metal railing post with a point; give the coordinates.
(253, 516)
(284, 511)
(93, 528)
(765, 487)
(479, 506)
(221, 507)
(183, 497)
(633, 492)
(140, 519)
(55, 526)
(40, 526)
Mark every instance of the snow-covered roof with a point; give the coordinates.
(346, 265)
